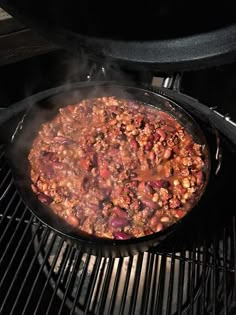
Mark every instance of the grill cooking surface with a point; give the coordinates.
(41, 273)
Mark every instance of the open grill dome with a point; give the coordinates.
(155, 35)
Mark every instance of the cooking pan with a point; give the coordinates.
(44, 110)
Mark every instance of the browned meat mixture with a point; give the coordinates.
(116, 168)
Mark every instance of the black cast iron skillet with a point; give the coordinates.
(46, 109)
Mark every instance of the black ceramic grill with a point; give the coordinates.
(42, 273)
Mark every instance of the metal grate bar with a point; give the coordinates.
(92, 284)
(188, 279)
(11, 241)
(5, 179)
(146, 284)
(102, 301)
(192, 282)
(72, 275)
(160, 288)
(3, 194)
(180, 285)
(69, 265)
(8, 217)
(200, 262)
(40, 270)
(67, 258)
(170, 288)
(136, 284)
(115, 287)
(20, 265)
(97, 287)
(8, 207)
(49, 275)
(12, 237)
(153, 284)
(44, 235)
(81, 280)
(197, 308)
(11, 219)
(203, 293)
(126, 284)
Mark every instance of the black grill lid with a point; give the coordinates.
(162, 35)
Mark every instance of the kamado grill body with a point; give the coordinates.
(192, 271)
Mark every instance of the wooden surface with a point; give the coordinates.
(18, 42)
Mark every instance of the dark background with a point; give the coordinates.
(213, 87)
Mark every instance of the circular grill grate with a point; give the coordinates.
(122, 284)
(42, 273)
